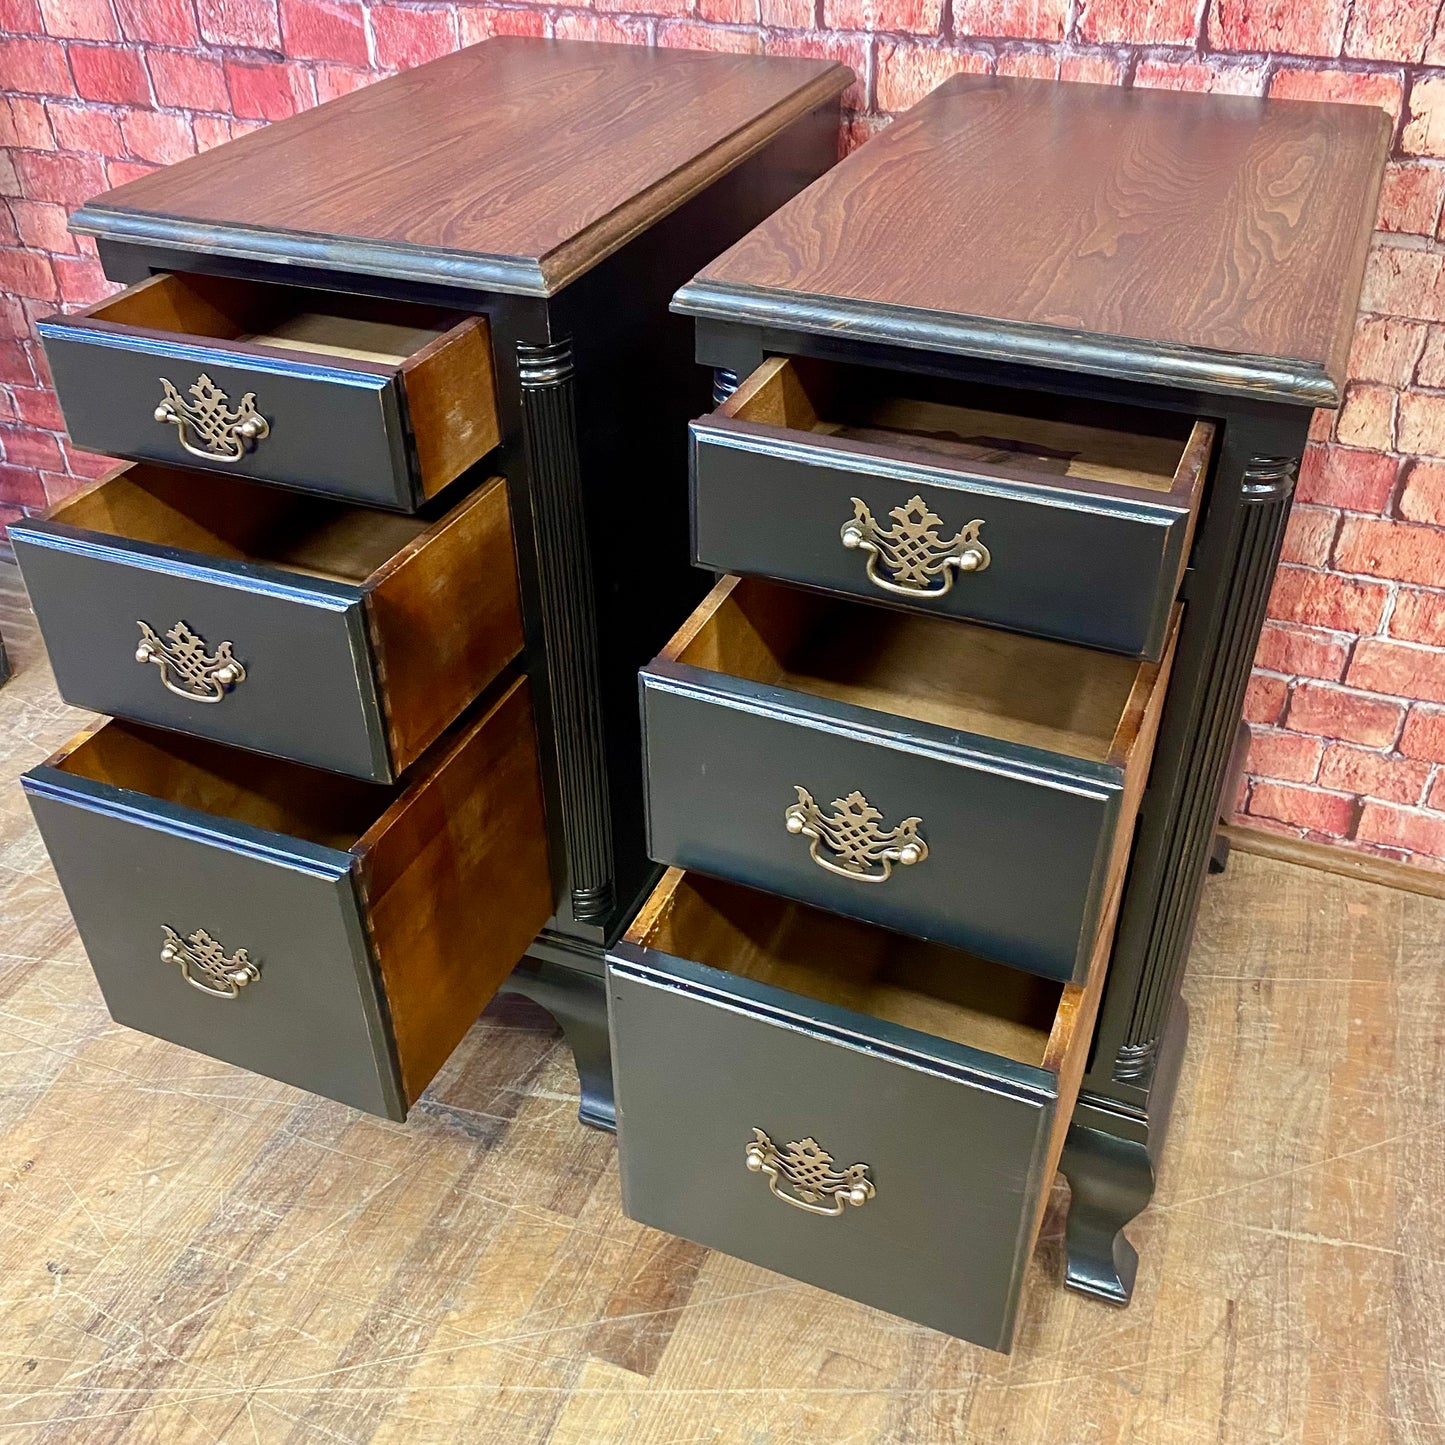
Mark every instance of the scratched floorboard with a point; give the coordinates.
(188, 1254)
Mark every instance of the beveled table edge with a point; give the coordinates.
(543, 276)
(1268, 378)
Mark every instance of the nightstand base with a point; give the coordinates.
(1110, 1160)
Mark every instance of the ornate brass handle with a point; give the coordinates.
(921, 562)
(806, 1169)
(204, 965)
(224, 434)
(186, 668)
(867, 851)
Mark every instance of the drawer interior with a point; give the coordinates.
(264, 792)
(924, 986)
(962, 423)
(1026, 690)
(227, 517)
(355, 328)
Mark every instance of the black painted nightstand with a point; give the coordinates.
(1010, 408)
(405, 409)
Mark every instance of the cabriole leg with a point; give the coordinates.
(578, 1001)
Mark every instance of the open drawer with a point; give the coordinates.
(385, 402)
(753, 1038)
(952, 781)
(964, 501)
(329, 933)
(311, 629)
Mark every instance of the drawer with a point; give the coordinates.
(872, 1114)
(304, 627)
(383, 402)
(956, 782)
(933, 495)
(336, 935)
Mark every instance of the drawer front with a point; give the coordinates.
(1016, 851)
(334, 430)
(311, 1017)
(1079, 565)
(308, 691)
(955, 1142)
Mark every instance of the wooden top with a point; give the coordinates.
(516, 165)
(1211, 241)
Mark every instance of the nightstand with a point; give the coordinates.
(1011, 404)
(404, 412)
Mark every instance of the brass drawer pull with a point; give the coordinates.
(867, 851)
(224, 435)
(187, 669)
(921, 563)
(204, 965)
(806, 1169)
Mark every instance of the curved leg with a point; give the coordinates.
(1108, 1159)
(1111, 1180)
(578, 1001)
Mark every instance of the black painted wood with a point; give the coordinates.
(569, 622)
(310, 690)
(1110, 1159)
(130, 866)
(634, 390)
(1200, 726)
(702, 1058)
(1229, 562)
(1125, 359)
(608, 447)
(1083, 562)
(814, 282)
(338, 429)
(1018, 837)
(574, 997)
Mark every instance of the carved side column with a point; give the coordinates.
(1188, 829)
(569, 622)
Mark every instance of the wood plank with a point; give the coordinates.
(456, 880)
(445, 618)
(537, 203)
(1199, 229)
(1028, 690)
(451, 398)
(1387, 872)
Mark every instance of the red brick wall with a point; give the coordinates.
(1348, 699)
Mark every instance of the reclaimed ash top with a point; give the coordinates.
(516, 165)
(1208, 241)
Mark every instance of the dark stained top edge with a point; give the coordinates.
(520, 274)
(1270, 378)
(1313, 374)
(424, 264)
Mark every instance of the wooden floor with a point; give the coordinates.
(188, 1254)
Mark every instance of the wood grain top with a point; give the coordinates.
(516, 165)
(1202, 240)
